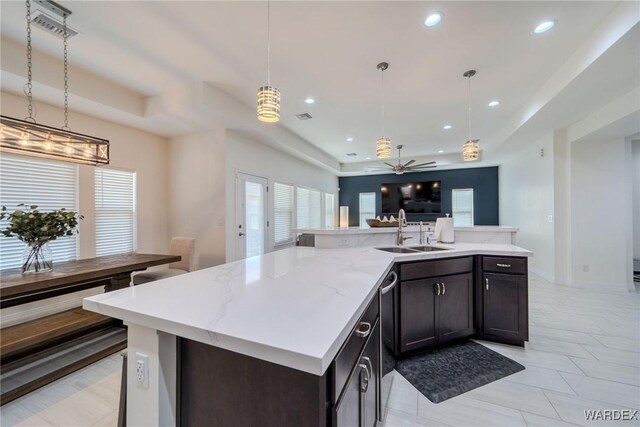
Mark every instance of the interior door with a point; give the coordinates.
(455, 307)
(251, 215)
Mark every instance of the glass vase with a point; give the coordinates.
(36, 258)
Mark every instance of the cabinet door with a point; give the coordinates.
(348, 410)
(417, 314)
(505, 306)
(455, 307)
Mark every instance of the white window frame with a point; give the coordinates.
(294, 215)
(360, 212)
(135, 205)
(454, 211)
(17, 246)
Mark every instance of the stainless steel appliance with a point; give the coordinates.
(388, 301)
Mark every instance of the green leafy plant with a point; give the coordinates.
(37, 228)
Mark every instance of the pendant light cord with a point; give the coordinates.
(29, 65)
(383, 102)
(469, 102)
(268, 43)
(65, 38)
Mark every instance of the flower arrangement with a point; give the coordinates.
(37, 229)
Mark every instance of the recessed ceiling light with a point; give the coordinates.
(440, 151)
(545, 26)
(447, 127)
(309, 101)
(433, 19)
(349, 139)
(368, 158)
(493, 103)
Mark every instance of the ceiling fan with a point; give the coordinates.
(400, 168)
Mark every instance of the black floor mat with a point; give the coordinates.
(448, 372)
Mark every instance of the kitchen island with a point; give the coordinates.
(351, 237)
(291, 309)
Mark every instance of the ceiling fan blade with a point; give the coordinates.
(414, 168)
(389, 164)
(423, 164)
(409, 163)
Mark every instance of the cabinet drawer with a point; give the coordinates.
(444, 267)
(504, 265)
(348, 354)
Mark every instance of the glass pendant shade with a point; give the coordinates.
(383, 148)
(32, 139)
(470, 150)
(268, 104)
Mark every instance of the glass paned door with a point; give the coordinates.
(251, 215)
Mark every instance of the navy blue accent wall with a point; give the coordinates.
(484, 182)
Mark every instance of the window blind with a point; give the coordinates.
(309, 208)
(462, 206)
(50, 185)
(282, 213)
(367, 207)
(329, 216)
(115, 211)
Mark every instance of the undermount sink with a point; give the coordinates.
(428, 248)
(397, 250)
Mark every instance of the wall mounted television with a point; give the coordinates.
(413, 197)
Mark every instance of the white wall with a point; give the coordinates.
(245, 154)
(599, 212)
(635, 150)
(131, 150)
(197, 193)
(526, 185)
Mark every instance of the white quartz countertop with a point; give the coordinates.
(407, 229)
(294, 307)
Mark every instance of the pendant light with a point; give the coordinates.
(383, 145)
(470, 148)
(268, 96)
(32, 139)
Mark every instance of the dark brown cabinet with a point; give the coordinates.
(357, 406)
(434, 310)
(503, 293)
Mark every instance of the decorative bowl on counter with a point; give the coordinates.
(377, 223)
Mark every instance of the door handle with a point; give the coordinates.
(368, 362)
(363, 330)
(364, 384)
(438, 291)
(392, 284)
(242, 234)
(444, 288)
(486, 282)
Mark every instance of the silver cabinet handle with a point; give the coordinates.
(444, 288)
(364, 385)
(486, 281)
(242, 234)
(368, 362)
(438, 291)
(504, 265)
(392, 284)
(363, 329)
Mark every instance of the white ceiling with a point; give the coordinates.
(329, 50)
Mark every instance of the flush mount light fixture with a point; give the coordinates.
(447, 127)
(470, 148)
(493, 104)
(309, 101)
(544, 26)
(433, 19)
(383, 144)
(268, 96)
(32, 139)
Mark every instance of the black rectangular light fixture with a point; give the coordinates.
(32, 139)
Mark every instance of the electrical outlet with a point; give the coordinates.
(585, 268)
(142, 370)
(549, 218)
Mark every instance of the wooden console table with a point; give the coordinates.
(40, 351)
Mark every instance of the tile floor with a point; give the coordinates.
(584, 353)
